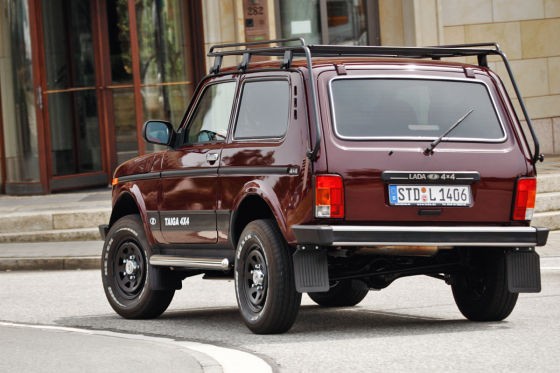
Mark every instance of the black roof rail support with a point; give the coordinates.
(217, 64)
(245, 61)
(287, 60)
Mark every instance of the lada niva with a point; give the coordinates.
(332, 170)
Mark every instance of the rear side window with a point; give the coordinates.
(264, 110)
(365, 108)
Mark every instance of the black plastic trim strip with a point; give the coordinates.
(248, 170)
(136, 177)
(203, 171)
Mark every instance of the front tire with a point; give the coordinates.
(264, 279)
(481, 293)
(346, 293)
(126, 273)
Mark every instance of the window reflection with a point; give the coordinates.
(74, 132)
(18, 96)
(162, 40)
(125, 124)
(119, 41)
(68, 44)
(165, 70)
(301, 19)
(345, 23)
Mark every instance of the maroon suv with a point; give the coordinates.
(331, 170)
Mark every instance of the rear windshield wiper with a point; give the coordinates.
(430, 149)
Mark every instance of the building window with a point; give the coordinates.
(343, 22)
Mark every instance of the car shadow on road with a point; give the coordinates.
(366, 322)
(223, 325)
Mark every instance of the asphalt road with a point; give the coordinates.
(413, 325)
(41, 349)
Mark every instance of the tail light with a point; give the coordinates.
(329, 196)
(525, 195)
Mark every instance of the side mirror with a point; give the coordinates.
(158, 132)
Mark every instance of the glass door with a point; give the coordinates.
(109, 65)
(71, 98)
(151, 68)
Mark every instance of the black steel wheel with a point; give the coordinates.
(125, 272)
(264, 279)
(129, 269)
(481, 292)
(256, 279)
(346, 293)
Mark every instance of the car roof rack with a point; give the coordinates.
(288, 49)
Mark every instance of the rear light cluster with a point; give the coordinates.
(329, 196)
(525, 195)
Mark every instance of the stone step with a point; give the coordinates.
(549, 219)
(76, 234)
(548, 202)
(547, 183)
(47, 221)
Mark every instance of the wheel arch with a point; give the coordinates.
(125, 205)
(253, 207)
(130, 202)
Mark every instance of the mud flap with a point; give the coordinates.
(523, 271)
(164, 279)
(311, 270)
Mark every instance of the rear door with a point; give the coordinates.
(378, 139)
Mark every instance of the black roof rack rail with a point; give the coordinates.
(288, 49)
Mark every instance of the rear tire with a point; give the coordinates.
(125, 272)
(264, 279)
(481, 293)
(346, 293)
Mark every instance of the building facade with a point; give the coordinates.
(78, 78)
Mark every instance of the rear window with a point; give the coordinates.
(377, 108)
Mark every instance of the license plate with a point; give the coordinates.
(430, 195)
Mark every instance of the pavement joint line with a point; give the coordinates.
(230, 360)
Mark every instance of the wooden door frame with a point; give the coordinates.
(39, 83)
(107, 139)
(52, 182)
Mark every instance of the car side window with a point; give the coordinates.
(264, 110)
(210, 121)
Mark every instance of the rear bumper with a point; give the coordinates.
(344, 235)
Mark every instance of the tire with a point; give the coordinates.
(264, 279)
(125, 272)
(482, 294)
(345, 293)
